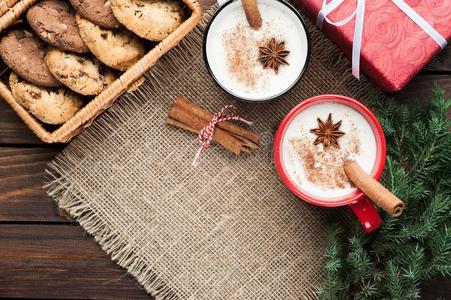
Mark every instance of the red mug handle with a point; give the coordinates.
(367, 214)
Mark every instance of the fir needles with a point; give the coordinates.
(392, 262)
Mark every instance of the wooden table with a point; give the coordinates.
(43, 254)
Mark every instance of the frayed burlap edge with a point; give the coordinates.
(177, 61)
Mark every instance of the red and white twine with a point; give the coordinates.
(227, 113)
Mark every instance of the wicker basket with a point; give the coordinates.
(10, 11)
(5, 5)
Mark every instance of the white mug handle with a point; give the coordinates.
(221, 2)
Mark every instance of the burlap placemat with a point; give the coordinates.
(229, 229)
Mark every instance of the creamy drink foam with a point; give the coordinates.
(232, 50)
(318, 170)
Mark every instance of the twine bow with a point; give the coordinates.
(227, 113)
(359, 13)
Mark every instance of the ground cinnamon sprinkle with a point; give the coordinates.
(242, 52)
(324, 167)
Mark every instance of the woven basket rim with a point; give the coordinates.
(129, 80)
(5, 5)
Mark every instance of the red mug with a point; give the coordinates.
(362, 207)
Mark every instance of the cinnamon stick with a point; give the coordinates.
(373, 189)
(207, 116)
(178, 124)
(170, 121)
(246, 142)
(229, 142)
(252, 13)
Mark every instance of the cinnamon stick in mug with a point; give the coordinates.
(252, 13)
(207, 116)
(373, 189)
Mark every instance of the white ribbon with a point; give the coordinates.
(359, 14)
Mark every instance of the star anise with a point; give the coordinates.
(327, 132)
(273, 55)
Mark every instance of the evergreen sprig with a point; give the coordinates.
(392, 262)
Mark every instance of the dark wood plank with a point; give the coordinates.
(441, 62)
(421, 86)
(22, 197)
(437, 288)
(59, 261)
(13, 130)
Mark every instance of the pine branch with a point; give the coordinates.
(392, 262)
(335, 285)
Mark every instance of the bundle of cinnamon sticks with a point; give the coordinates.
(189, 116)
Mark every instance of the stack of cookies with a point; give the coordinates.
(66, 52)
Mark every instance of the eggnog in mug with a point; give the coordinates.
(316, 169)
(231, 49)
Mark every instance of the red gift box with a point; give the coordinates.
(393, 47)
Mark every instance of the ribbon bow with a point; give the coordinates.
(359, 14)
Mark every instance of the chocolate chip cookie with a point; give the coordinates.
(97, 11)
(82, 74)
(118, 49)
(54, 22)
(150, 19)
(51, 106)
(24, 53)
